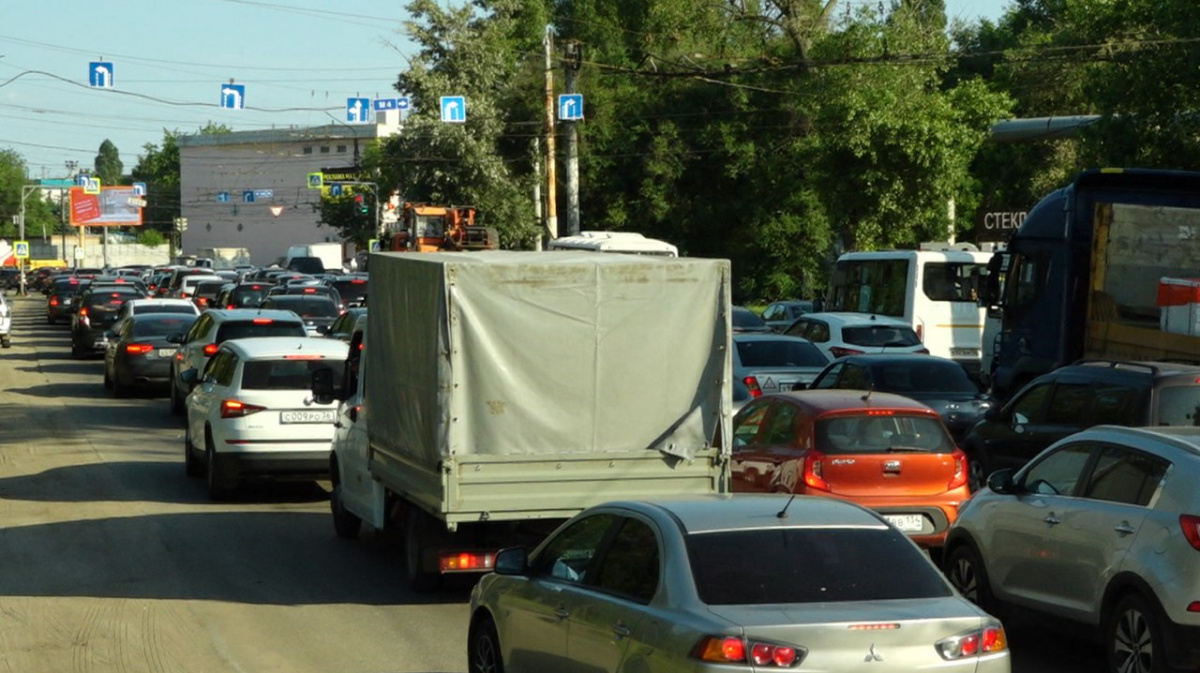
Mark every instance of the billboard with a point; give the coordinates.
(118, 206)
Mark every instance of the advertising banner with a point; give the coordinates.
(113, 206)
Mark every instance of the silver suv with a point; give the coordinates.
(1101, 529)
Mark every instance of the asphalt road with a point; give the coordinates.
(111, 559)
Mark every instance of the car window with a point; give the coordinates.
(630, 566)
(882, 433)
(1117, 404)
(855, 377)
(818, 332)
(771, 311)
(781, 425)
(281, 374)
(1179, 405)
(242, 329)
(1125, 475)
(568, 555)
(779, 353)
(161, 327)
(825, 565)
(1059, 472)
(221, 368)
(880, 336)
(745, 426)
(164, 308)
(1069, 404)
(1031, 406)
(200, 329)
(800, 328)
(829, 378)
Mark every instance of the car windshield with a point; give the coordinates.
(810, 565)
(308, 307)
(281, 374)
(880, 336)
(156, 326)
(351, 290)
(264, 328)
(1179, 405)
(876, 433)
(929, 376)
(780, 353)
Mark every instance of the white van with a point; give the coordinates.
(933, 290)
(615, 241)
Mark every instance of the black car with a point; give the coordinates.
(745, 320)
(98, 309)
(940, 383)
(60, 296)
(352, 288)
(315, 311)
(313, 290)
(242, 295)
(205, 293)
(1076, 397)
(343, 327)
(137, 353)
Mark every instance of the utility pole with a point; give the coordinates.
(537, 186)
(571, 64)
(551, 206)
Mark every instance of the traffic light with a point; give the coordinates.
(361, 203)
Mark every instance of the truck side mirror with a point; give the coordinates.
(322, 385)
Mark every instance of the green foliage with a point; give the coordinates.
(158, 167)
(108, 166)
(151, 238)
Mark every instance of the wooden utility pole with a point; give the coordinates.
(551, 206)
(571, 65)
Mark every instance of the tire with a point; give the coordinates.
(191, 463)
(345, 523)
(76, 352)
(218, 486)
(6, 341)
(1133, 640)
(978, 468)
(965, 571)
(483, 649)
(176, 399)
(119, 389)
(418, 533)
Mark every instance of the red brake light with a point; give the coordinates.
(237, 409)
(813, 468)
(210, 349)
(752, 385)
(138, 349)
(358, 281)
(960, 470)
(305, 356)
(83, 312)
(466, 562)
(1191, 529)
(262, 321)
(727, 649)
(310, 290)
(838, 351)
(989, 639)
(54, 301)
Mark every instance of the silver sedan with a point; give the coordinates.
(726, 583)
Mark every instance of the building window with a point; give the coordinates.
(325, 149)
(308, 150)
(341, 149)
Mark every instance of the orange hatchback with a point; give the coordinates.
(882, 451)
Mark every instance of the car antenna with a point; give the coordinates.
(870, 389)
(782, 514)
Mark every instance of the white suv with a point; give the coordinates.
(252, 411)
(839, 334)
(1101, 529)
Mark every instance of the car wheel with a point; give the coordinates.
(191, 462)
(418, 529)
(119, 389)
(483, 650)
(976, 476)
(176, 399)
(218, 486)
(345, 523)
(5, 341)
(965, 571)
(76, 351)
(1133, 639)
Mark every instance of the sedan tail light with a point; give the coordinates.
(813, 467)
(752, 384)
(54, 301)
(732, 650)
(138, 349)
(839, 352)
(237, 409)
(988, 640)
(1191, 529)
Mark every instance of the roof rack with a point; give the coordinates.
(1118, 364)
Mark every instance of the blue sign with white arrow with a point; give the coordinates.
(403, 103)
(454, 109)
(100, 74)
(233, 96)
(335, 189)
(570, 107)
(358, 110)
(139, 189)
(248, 196)
(223, 197)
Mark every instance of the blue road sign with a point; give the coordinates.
(335, 189)
(21, 250)
(385, 103)
(570, 107)
(233, 96)
(248, 196)
(358, 110)
(223, 197)
(139, 189)
(454, 109)
(100, 74)
(264, 193)
(403, 103)
(82, 179)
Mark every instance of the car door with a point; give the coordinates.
(777, 449)
(188, 355)
(1021, 546)
(351, 432)
(203, 403)
(751, 470)
(610, 617)
(1101, 526)
(1007, 440)
(538, 613)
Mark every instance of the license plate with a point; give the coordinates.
(964, 352)
(908, 523)
(166, 352)
(317, 416)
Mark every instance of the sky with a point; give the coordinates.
(298, 59)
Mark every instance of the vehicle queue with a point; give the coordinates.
(856, 446)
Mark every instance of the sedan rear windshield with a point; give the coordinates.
(780, 353)
(880, 336)
(281, 374)
(882, 434)
(351, 290)
(245, 329)
(162, 326)
(810, 565)
(165, 308)
(308, 307)
(923, 376)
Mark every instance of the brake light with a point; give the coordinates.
(752, 385)
(202, 301)
(54, 301)
(238, 409)
(262, 321)
(210, 349)
(138, 349)
(727, 649)
(358, 281)
(183, 295)
(83, 312)
(1191, 529)
(294, 356)
(839, 352)
(921, 333)
(960, 470)
(466, 562)
(310, 290)
(988, 640)
(813, 471)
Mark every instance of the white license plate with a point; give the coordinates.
(166, 352)
(319, 416)
(908, 523)
(964, 352)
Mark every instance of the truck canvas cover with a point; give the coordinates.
(525, 353)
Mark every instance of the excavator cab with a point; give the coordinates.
(426, 228)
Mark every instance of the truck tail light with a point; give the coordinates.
(459, 562)
(238, 409)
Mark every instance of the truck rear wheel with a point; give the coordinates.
(418, 537)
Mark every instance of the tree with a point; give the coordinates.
(39, 215)
(108, 166)
(158, 167)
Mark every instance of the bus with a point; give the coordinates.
(934, 290)
(615, 241)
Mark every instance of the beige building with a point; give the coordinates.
(249, 189)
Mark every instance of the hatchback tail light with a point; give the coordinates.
(813, 467)
(988, 640)
(839, 352)
(210, 349)
(960, 470)
(237, 409)
(1191, 529)
(752, 384)
(138, 349)
(732, 650)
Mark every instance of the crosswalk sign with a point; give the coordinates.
(21, 249)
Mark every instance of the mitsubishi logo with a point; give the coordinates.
(872, 655)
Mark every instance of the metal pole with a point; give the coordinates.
(571, 66)
(551, 206)
(21, 237)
